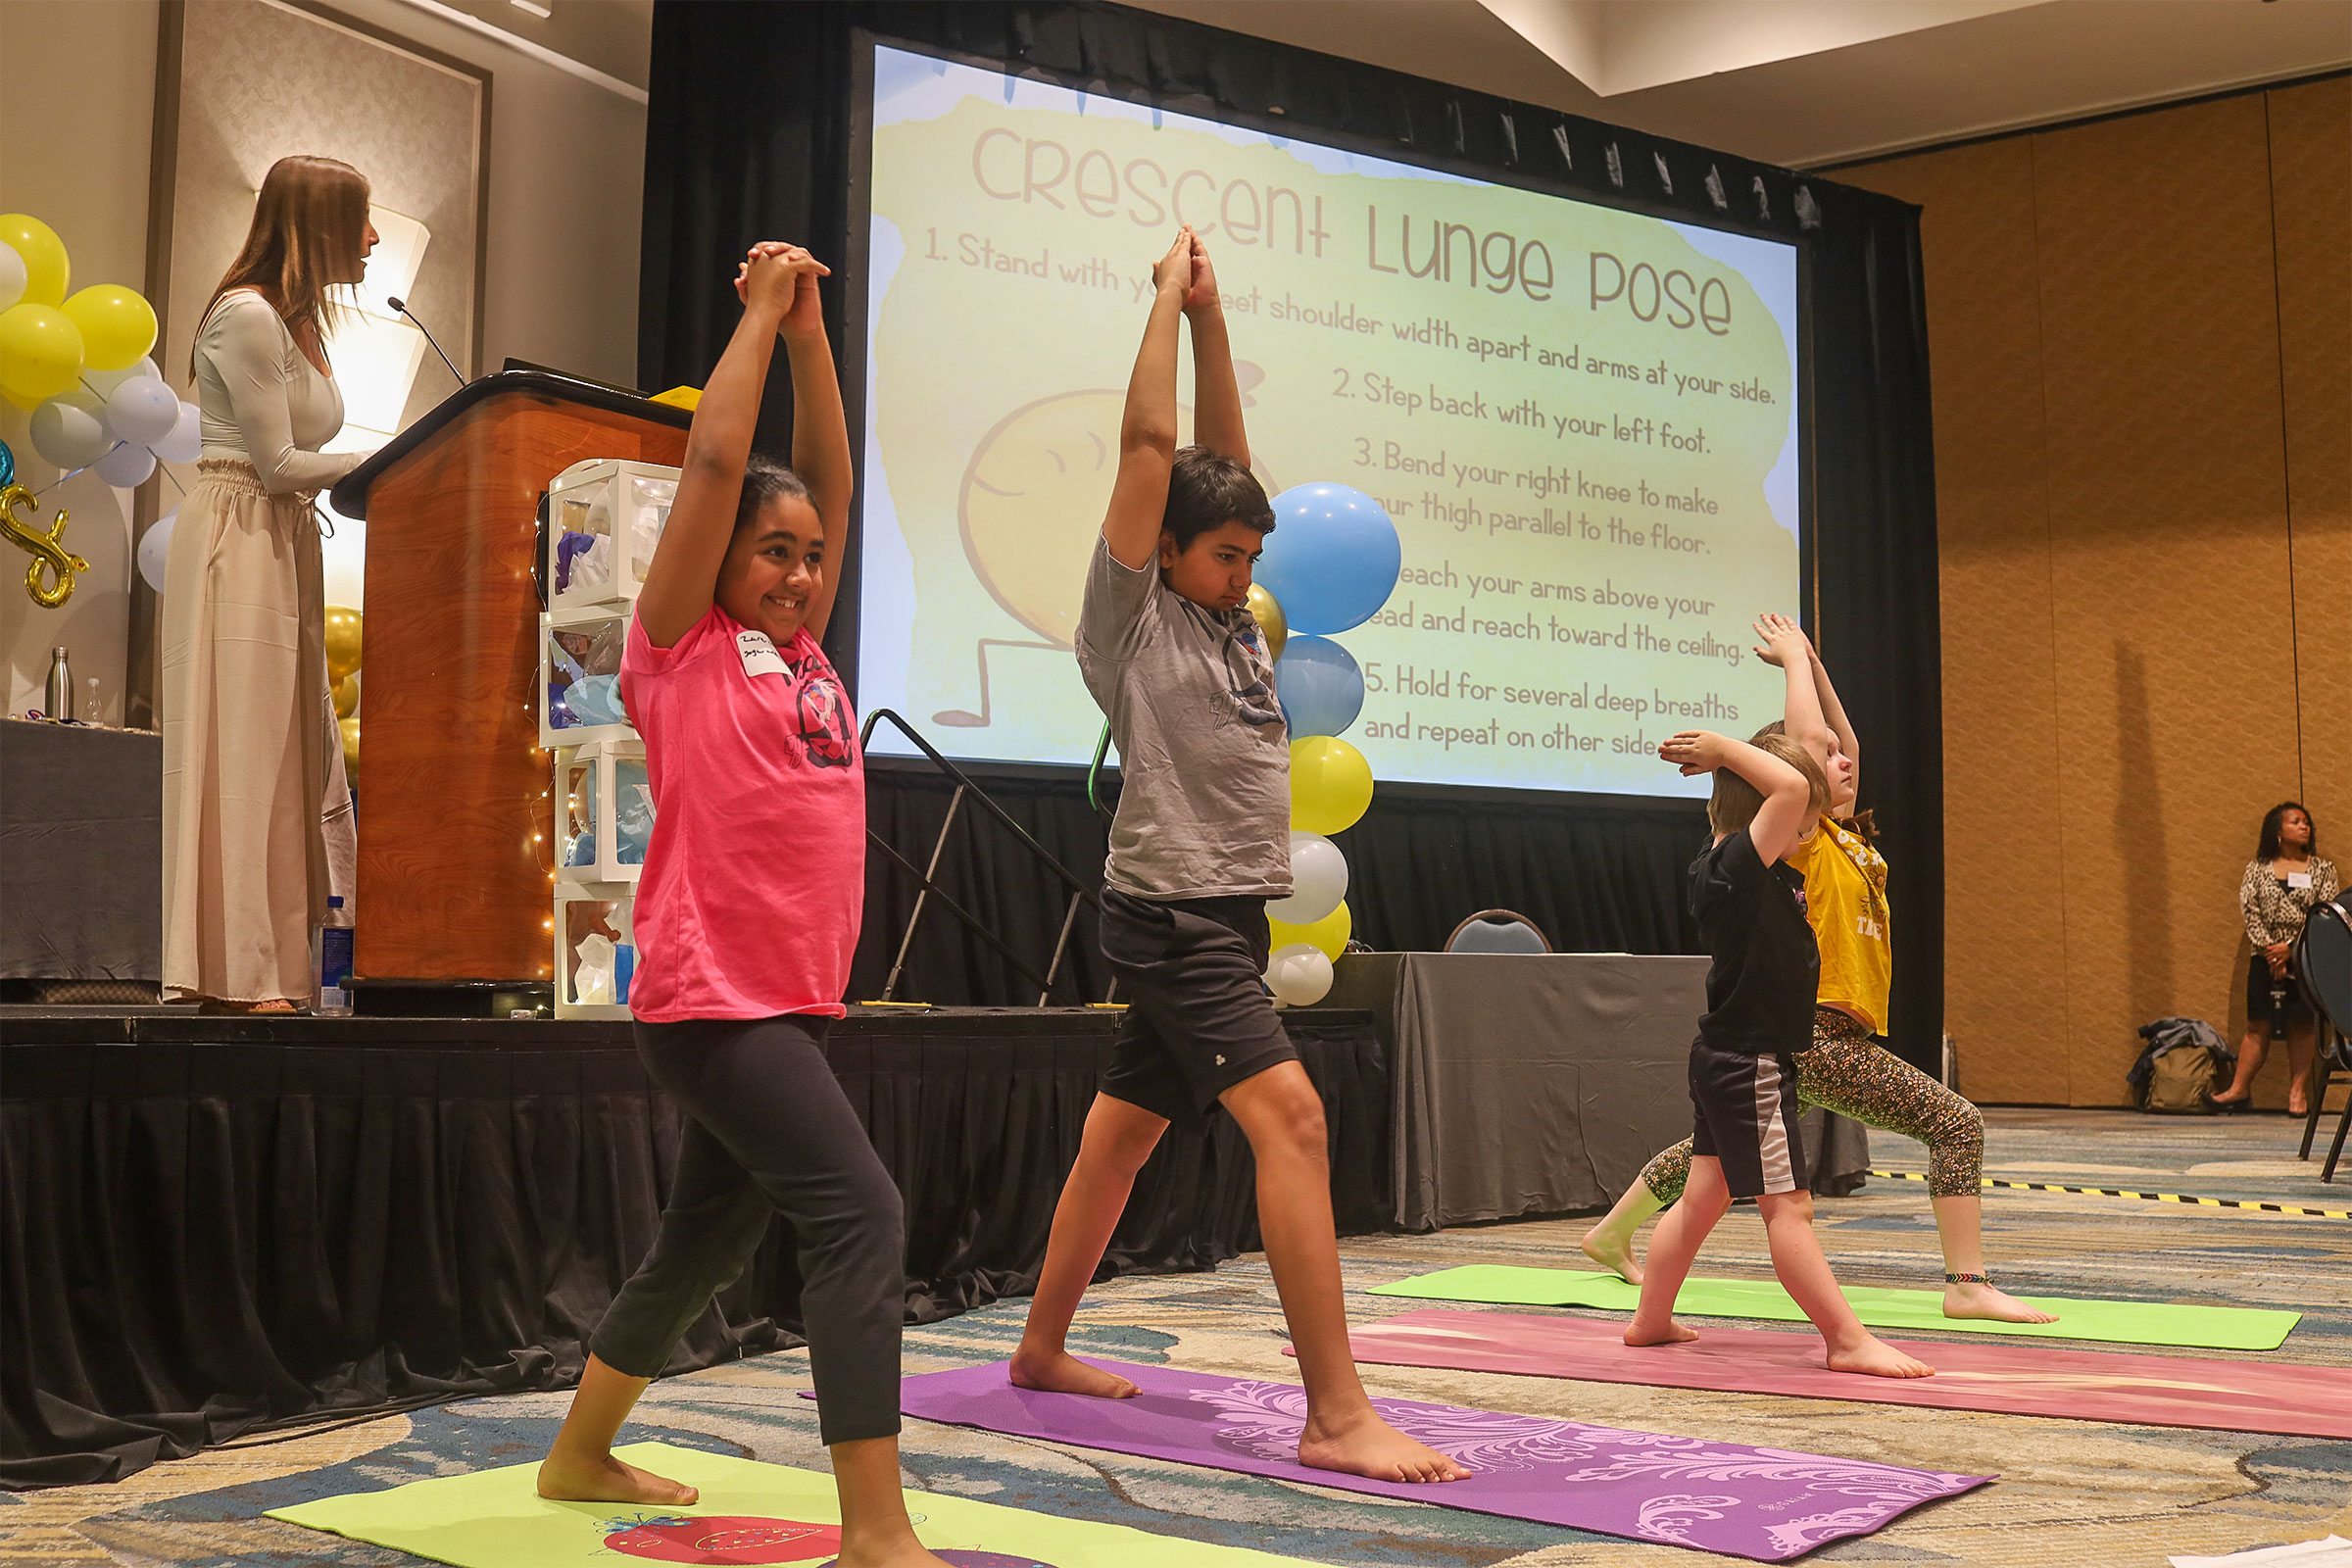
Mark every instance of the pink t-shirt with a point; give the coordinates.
(756, 876)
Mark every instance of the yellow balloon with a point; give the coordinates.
(1270, 619)
(342, 642)
(1331, 784)
(40, 353)
(347, 694)
(1328, 933)
(351, 748)
(118, 326)
(46, 269)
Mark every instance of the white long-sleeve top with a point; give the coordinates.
(263, 402)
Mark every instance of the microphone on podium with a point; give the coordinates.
(402, 307)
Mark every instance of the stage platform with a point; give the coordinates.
(213, 1224)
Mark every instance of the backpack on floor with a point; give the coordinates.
(2184, 1059)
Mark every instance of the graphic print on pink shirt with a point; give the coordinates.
(755, 880)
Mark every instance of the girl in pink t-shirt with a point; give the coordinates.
(745, 918)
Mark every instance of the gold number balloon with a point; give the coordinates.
(342, 642)
(1268, 611)
(49, 554)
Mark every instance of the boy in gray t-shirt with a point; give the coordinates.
(1172, 653)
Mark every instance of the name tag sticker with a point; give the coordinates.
(758, 655)
(2298, 879)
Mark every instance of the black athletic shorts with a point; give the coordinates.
(1197, 1019)
(1746, 1116)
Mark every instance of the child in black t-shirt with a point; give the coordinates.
(1750, 908)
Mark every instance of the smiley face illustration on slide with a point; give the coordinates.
(743, 1541)
(1031, 506)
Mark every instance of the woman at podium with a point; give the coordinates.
(250, 760)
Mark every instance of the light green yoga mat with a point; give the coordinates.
(749, 1513)
(2206, 1328)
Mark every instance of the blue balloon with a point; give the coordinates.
(1331, 562)
(1320, 688)
(8, 467)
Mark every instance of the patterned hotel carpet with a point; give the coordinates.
(2072, 1495)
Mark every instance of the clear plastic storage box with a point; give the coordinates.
(603, 807)
(595, 951)
(579, 676)
(604, 518)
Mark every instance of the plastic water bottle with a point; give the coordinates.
(334, 966)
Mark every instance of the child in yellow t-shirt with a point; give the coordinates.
(1847, 1070)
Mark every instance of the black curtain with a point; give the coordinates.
(209, 1226)
(748, 137)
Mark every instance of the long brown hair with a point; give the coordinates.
(309, 225)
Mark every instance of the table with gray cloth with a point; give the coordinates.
(81, 853)
(1527, 1083)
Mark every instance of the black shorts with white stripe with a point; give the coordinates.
(1746, 1109)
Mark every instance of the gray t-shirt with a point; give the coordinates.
(1205, 758)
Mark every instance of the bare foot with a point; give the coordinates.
(1640, 1332)
(1612, 1249)
(609, 1482)
(1370, 1447)
(1877, 1359)
(1059, 1372)
(1984, 1301)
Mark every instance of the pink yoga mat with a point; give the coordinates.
(2028, 1377)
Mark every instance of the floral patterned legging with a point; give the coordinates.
(1848, 1072)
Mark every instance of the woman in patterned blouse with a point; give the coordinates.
(2283, 882)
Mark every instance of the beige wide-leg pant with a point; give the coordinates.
(256, 812)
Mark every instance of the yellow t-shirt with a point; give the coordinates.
(1845, 899)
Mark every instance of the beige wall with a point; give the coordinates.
(2141, 334)
(567, 172)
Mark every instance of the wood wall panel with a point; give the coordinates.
(2311, 188)
(2000, 732)
(2168, 558)
(2141, 331)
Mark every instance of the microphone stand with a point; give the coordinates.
(402, 307)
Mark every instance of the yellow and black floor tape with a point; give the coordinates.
(2154, 1198)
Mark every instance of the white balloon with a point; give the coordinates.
(70, 430)
(13, 276)
(1318, 881)
(124, 467)
(186, 442)
(1298, 975)
(104, 382)
(155, 548)
(142, 411)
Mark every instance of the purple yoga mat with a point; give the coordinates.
(1765, 1503)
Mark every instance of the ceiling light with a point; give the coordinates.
(532, 6)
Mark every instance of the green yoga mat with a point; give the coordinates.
(2205, 1328)
(749, 1513)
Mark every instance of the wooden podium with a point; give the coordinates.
(456, 845)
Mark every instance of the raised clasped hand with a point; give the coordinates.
(1203, 294)
(782, 278)
(1175, 270)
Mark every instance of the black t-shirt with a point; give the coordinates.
(1767, 969)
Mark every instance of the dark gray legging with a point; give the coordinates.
(768, 1132)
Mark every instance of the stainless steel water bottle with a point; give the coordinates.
(58, 702)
